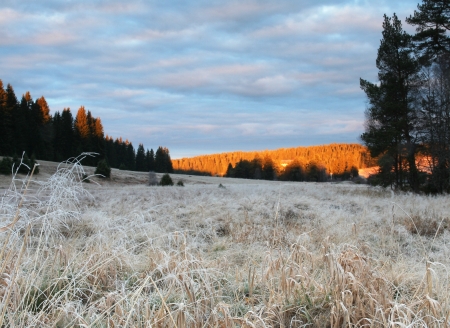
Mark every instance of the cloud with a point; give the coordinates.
(207, 74)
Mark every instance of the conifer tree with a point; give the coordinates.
(391, 115)
(432, 21)
(9, 109)
(3, 121)
(163, 163)
(67, 134)
(81, 131)
(130, 156)
(150, 160)
(140, 159)
(44, 110)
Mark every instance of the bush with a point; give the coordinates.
(180, 183)
(166, 180)
(103, 169)
(5, 166)
(24, 164)
(86, 179)
(122, 167)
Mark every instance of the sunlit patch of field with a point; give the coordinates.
(248, 254)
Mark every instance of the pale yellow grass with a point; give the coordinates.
(252, 254)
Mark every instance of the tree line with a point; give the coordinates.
(27, 126)
(336, 159)
(407, 125)
(295, 170)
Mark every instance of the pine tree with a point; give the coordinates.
(391, 115)
(432, 21)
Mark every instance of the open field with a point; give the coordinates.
(253, 254)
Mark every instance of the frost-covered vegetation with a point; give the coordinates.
(245, 255)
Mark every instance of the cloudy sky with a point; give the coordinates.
(201, 76)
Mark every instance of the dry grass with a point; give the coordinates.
(259, 255)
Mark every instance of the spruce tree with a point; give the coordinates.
(3, 121)
(9, 110)
(150, 160)
(163, 163)
(67, 134)
(140, 159)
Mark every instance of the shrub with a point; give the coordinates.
(5, 166)
(166, 180)
(86, 178)
(180, 183)
(25, 165)
(426, 226)
(122, 166)
(103, 169)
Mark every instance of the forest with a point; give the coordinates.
(336, 159)
(26, 126)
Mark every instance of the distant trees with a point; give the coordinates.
(295, 171)
(335, 158)
(27, 126)
(408, 118)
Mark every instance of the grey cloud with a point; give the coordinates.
(184, 71)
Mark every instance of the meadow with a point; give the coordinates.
(247, 253)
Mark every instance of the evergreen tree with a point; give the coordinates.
(294, 171)
(163, 163)
(9, 109)
(3, 121)
(432, 21)
(58, 145)
(268, 170)
(391, 115)
(21, 127)
(140, 159)
(110, 152)
(150, 160)
(67, 134)
(230, 171)
(45, 130)
(130, 157)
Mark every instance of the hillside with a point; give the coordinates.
(336, 158)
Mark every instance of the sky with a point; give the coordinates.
(201, 77)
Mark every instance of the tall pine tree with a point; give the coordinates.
(432, 21)
(391, 115)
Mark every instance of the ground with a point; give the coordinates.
(249, 253)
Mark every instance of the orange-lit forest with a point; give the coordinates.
(336, 158)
